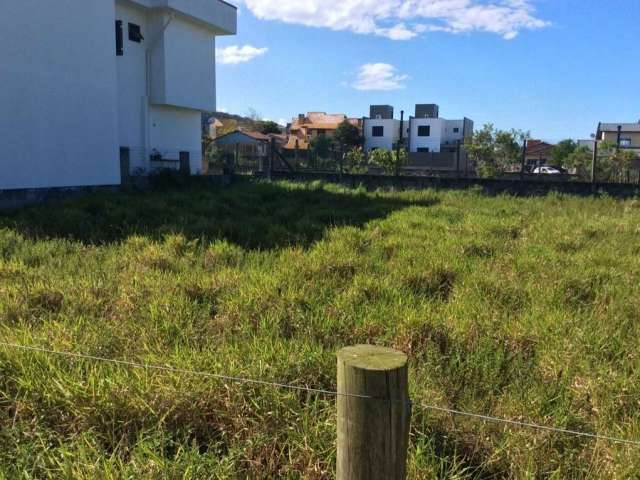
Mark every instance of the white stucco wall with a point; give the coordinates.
(432, 142)
(391, 133)
(174, 130)
(58, 101)
(189, 66)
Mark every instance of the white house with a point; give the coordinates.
(82, 78)
(423, 132)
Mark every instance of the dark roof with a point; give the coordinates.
(536, 147)
(253, 135)
(626, 127)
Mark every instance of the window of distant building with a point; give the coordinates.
(423, 150)
(625, 142)
(377, 131)
(424, 130)
(456, 130)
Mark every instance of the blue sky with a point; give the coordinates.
(554, 67)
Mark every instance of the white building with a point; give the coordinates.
(424, 132)
(75, 89)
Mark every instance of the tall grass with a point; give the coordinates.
(523, 308)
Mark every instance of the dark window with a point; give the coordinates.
(119, 39)
(135, 34)
(424, 130)
(377, 131)
(456, 130)
(423, 149)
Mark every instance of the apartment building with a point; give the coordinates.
(423, 132)
(99, 75)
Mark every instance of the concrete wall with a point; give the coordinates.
(174, 130)
(58, 100)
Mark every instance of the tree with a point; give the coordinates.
(389, 160)
(560, 152)
(480, 149)
(267, 126)
(320, 146)
(347, 136)
(580, 161)
(354, 161)
(493, 151)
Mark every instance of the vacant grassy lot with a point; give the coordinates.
(522, 308)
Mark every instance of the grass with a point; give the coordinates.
(526, 308)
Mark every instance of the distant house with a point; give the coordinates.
(304, 128)
(623, 135)
(538, 153)
(245, 143)
(104, 75)
(424, 132)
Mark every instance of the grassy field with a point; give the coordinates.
(521, 308)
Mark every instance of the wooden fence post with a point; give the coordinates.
(374, 413)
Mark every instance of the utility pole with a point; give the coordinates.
(458, 159)
(399, 143)
(594, 160)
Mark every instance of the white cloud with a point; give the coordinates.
(234, 54)
(404, 19)
(378, 76)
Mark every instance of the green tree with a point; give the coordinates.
(580, 162)
(347, 136)
(480, 148)
(321, 146)
(493, 151)
(561, 152)
(267, 126)
(354, 161)
(389, 160)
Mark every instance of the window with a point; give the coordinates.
(625, 142)
(119, 39)
(456, 130)
(423, 149)
(424, 130)
(135, 34)
(377, 131)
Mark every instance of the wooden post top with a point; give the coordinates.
(372, 357)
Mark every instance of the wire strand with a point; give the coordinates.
(231, 378)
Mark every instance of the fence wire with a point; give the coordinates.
(319, 391)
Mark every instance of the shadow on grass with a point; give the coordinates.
(253, 215)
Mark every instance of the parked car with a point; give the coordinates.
(546, 170)
(562, 170)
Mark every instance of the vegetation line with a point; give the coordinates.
(230, 378)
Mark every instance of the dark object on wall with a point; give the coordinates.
(135, 33)
(119, 39)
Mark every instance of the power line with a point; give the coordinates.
(231, 378)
